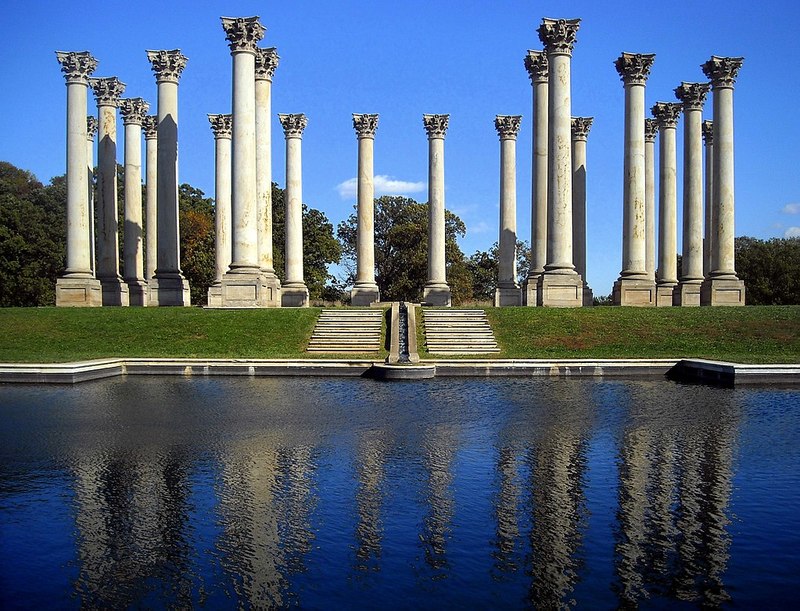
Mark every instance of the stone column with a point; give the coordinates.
(667, 115)
(580, 132)
(133, 112)
(221, 125)
(723, 287)
(559, 285)
(77, 286)
(508, 292)
(365, 290)
(437, 291)
(91, 132)
(107, 92)
(634, 287)
(708, 140)
(693, 96)
(168, 287)
(266, 64)
(650, 131)
(536, 65)
(150, 125)
(294, 292)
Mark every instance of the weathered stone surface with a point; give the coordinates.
(365, 290)
(507, 292)
(436, 291)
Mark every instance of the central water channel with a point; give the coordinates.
(481, 493)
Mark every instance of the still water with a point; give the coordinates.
(502, 493)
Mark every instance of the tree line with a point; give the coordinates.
(33, 249)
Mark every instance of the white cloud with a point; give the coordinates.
(791, 209)
(384, 185)
(479, 227)
(792, 232)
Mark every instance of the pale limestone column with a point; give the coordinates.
(365, 290)
(693, 96)
(77, 286)
(221, 125)
(650, 131)
(91, 132)
(168, 287)
(133, 112)
(294, 292)
(150, 126)
(508, 292)
(634, 287)
(667, 115)
(107, 92)
(723, 287)
(559, 285)
(580, 132)
(708, 140)
(266, 64)
(437, 291)
(537, 67)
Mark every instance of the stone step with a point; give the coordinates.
(458, 332)
(347, 331)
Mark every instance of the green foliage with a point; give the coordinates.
(401, 250)
(484, 269)
(32, 237)
(197, 241)
(770, 270)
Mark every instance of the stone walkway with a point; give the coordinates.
(347, 331)
(449, 331)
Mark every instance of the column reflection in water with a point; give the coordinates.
(506, 511)
(675, 471)
(371, 472)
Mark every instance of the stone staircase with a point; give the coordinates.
(341, 331)
(458, 332)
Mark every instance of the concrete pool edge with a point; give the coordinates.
(687, 370)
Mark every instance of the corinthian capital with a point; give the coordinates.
(293, 125)
(365, 125)
(221, 125)
(708, 132)
(167, 65)
(77, 66)
(150, 127)
(107, 90)
(507, 126)
(693, 95)
(91, 127)
(266, 62)
(667, 114)
(133, 110)
(650, 130)
(537, 66)
(243, 33)
(558, 35)
(581, 127)
(634, 68)
(436, 125)
(722, 71)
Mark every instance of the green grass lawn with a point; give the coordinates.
(746, 335)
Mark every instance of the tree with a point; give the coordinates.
(401, 250)
(770, 270)
(484, 269)
(197, 241)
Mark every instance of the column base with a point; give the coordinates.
(115, 292)
(294, 295)
(588, 296)
(560, 290)
(637, 293)
(78, 293)
(664, 293)
(504, 297)
(436, 295)
(246, 290)
(687, 294)
(169, 291)
(364, 294)
(722, 292)
(530, 292)
(137, 292)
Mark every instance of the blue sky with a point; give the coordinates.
(405, 58)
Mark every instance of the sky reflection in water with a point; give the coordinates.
(158, 492)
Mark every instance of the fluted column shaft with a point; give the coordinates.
(151, 186)
(221, 125)
(437, 291)
(651, 129)
(266, 63)
(708, 200)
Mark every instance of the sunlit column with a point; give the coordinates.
(437, 291)
(708, 140)
(365, 290)
(580, 132)
(507, 292)
(91, 132)
(150, 126)
(650, 131)
(221, 126)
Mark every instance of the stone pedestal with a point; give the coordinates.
(722, 292)
(78, 286)
(436, 291)
(634, 287)
(537, 67)
(294, 293)
(365, 291)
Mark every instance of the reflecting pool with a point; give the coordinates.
(224, 492)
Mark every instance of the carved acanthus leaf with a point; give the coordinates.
(243, 33)
(293, 125)
(667, 114)
(558, 35)
(133, 110)
(722, 71)
(634, 68)
(581, 127)
(221, 125)
(365, 125)
(507, 126)
(77, 66)
(537, 66)
(436, 125)
(266, 63)
(107, 91)
(167, 65)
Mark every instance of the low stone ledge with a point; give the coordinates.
(734, 374)
(61, 373)
(629, 368)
